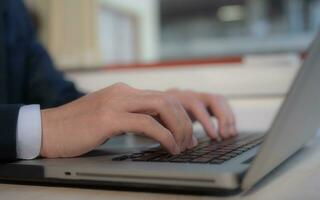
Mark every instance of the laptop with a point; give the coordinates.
(226, 167)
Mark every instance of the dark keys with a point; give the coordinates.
(162, 158)
(206, 152)
(120, 158)
(146, 156)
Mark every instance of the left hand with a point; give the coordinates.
(201, 106)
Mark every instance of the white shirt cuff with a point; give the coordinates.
(29, 132)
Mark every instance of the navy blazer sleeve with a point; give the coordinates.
(45, 85)
(28, 76)
(8, 118)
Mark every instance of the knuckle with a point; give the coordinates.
(195, 104)
(218, 97)
(119, 86)
(164, 100)
(175, 101)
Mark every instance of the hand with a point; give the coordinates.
(80, 126)
(201, 106)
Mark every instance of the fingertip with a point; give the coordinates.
(191, 145)
(194, 141)
(223, 133)
(176, 150)
(213, 137)
(234, 131)
(212, 133)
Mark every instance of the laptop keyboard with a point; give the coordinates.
(207, 151)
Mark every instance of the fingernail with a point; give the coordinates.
(176, 150)
(194, 141)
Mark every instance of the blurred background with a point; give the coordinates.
(248, 50)
(99, 32)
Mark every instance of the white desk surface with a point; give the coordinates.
(296, 179)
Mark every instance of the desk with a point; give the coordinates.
(296, 179)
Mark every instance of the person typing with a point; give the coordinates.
(43, 114)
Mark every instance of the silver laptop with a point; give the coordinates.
(226, 167)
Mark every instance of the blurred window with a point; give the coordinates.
(82, 33)
(191, 28)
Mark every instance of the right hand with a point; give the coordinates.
(82, 125)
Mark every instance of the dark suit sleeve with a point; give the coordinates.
(45, 84)
(8, 119)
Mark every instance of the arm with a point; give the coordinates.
(43, 84)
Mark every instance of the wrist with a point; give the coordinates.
(47, 120)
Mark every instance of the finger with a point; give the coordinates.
(221, 110)
(184, 100)
(194, 141)
(148, 126)
(187, 127)
(162, 105)
(201, 114)
(232, 122)
(234, 131)
(231, 119)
